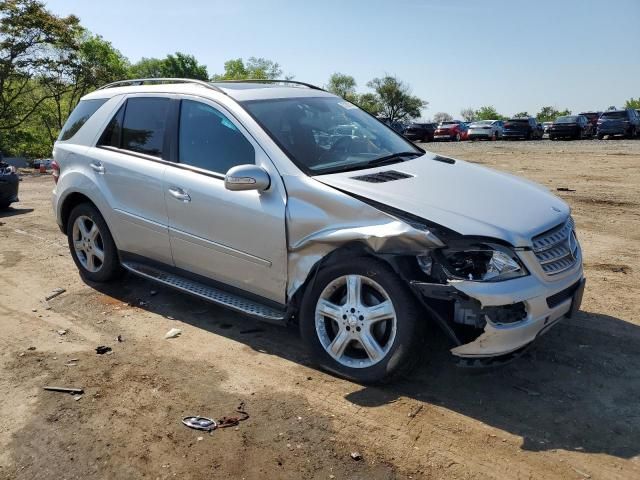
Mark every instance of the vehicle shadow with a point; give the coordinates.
(577, 389)
(12, 212)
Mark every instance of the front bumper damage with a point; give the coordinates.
(512, 314)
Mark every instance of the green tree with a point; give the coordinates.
(369, 102)
(254, 68)
(179, 65)
(395, 99)
(468, 114)
(549, 114)
(442, 117)
(522, 115)
(343, 85)
(488, 113)
(632, 103)
(35, 45)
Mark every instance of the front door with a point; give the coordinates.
(234, 237)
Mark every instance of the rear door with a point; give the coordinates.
(129, 162)
(234, 237)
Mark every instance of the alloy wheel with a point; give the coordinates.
(88, 244)
(355, 321)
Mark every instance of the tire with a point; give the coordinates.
(579, 136)
(528, 137)
(88, 245)
(632, 132)
(600, 136)
(552, 137)
(457, 138)
(397, 348)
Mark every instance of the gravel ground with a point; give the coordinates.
(568, 409)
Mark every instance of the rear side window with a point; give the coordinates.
(79, 116)
(209, 140)
(144, 124)
(615, 115)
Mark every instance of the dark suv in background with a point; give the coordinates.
(619, 122)
(525, 128)
(420, 132)
(571, 126)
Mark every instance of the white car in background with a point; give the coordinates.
(486, 129)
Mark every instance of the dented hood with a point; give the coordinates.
(464, 197)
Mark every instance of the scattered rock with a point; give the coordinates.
(54, 293)
(119, 339)
(565, 189)
(173, 333)
(77, 397)
(356, 456)
(31, 348)
(62, 332)
(102, 349)
(34, 309)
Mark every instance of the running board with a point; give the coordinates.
(206, 292)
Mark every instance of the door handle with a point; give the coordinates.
(179, 194)
(97, 166)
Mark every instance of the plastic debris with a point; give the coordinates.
(54, 293)
(74, 391)
(356, 456)
(173, 333)
(62, 332)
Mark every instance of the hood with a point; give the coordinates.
(464, 197)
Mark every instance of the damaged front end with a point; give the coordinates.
(490, 298)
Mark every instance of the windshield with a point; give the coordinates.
(519, 120)
(327, 134)
(622, 114)
(449, 123)
(567, 119)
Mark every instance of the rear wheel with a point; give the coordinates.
(600, 136)
(457, 137)
(92, 247)
(360, 321)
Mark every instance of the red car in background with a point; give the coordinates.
(593, 119)
(452, 131)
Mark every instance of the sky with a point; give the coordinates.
(516, 55)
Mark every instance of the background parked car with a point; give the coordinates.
(524, 128)
(9, 182)
(453, 131)
(486, 129)
(571, 126)
(593, 119)
(420, 132)
(619, 122)
(545, 127)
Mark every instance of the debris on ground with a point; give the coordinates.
(31, 348)
(415, 411)
(209, 424)
(34, 309)
(62, 332)
(54, 293)
(173, 333)
(74, 391)
(565, 189)
(77, 397)
(356, 456)
(102, 349)
(119, 339)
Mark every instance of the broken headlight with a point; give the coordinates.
(481, 262)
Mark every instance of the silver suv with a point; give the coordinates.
(290, 204)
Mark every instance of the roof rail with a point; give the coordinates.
(141, 81)
(262, 80)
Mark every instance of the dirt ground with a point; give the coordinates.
(569, 409)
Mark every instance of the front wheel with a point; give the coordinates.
(92, 247)
(360, 321)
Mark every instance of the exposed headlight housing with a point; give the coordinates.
(482, 262)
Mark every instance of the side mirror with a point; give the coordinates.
(247, 177)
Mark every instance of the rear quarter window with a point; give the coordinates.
(83, 112)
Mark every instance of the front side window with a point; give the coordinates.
(79, 116)
(327, 134)
(209, 140)
(144, 124)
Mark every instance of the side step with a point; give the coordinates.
(206, 292)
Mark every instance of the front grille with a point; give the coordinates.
(557, 298)
(557, 249)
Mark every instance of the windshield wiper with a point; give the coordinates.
(393, 158)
